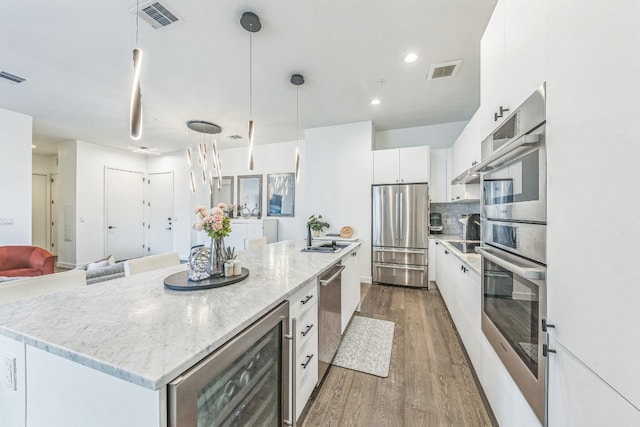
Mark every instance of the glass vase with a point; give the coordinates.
(216, 261)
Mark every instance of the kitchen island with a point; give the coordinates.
(134, 330)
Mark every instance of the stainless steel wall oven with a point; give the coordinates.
(513, 247)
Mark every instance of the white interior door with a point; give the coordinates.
(125, 214)
(39, 210)
(53, 242)
(160, 213)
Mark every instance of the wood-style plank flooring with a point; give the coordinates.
(430, 381)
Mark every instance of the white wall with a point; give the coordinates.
(45, 163)
(338, 181)
(15, 177)
(437, 136)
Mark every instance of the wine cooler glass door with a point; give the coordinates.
(244, 383)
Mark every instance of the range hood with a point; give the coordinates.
(469, 176)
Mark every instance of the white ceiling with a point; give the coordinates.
(76, 57)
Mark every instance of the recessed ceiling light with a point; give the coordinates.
(375, 101)
(33, 146)
(410, 57)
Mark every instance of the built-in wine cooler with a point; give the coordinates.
(244, 383)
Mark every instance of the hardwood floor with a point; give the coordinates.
(430, 381)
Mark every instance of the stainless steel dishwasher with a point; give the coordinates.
(329, 320)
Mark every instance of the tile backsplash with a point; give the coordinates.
(452, 212)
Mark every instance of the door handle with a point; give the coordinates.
(168, 228)
(112, 227)
(292, 337)
(401, 215)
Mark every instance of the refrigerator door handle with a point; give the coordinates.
(401, 232)
(397, 217)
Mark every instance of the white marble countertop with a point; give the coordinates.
(473, 261)
(135, 329)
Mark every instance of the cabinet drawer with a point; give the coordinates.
(307, 326)
(400, 256)
(303, 299)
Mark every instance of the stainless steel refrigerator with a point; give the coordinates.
(400, 234)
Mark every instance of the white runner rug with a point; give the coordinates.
(366, 346)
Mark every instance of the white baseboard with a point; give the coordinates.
(66, 265)
(366, 279)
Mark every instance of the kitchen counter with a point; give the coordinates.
(473, 261)
(136, 330)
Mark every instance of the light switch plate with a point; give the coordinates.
(6, 221)
(9, 370)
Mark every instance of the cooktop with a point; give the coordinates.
(468, 247)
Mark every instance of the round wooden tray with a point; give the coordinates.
(180, 281)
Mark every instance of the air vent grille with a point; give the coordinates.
(11, 77)
(158, 14)
(444, 70)
(235, 137)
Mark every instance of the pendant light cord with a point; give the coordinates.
(251, 72)
(297, 115)
(137, 20)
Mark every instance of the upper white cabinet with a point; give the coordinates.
(512, 56)
(465, 152)
(401, 165)
(440, 182)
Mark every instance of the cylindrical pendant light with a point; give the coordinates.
(250, 22)
(135, 113)
(297, 80)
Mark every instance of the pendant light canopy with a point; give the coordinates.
(297, 80)
(135, 112)
(250, 22)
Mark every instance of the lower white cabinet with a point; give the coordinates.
(243, 230)
(303, 306)
(578, 397)
(460, 289)
(432, 261)
(350, 288)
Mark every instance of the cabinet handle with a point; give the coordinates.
(446, 252)
(306, 331)
(292, 337)
(306, 300)
(499, 115)
(546, 350)
(546, 325)
(305, 364)
(437, 243)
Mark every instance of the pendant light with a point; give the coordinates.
(135, 113)
(250, 22)
(297, 80)
(205, 128)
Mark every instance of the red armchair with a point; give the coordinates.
(22, 261)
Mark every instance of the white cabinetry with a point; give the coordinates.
(466, 150)
(572, 387)
(460, 289)
(243, 230)
(512, 58)
(440, 182)
(401, 165)
(350, 288)
(432, 261)
(303, 306)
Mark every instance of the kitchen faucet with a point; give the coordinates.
(323, 224)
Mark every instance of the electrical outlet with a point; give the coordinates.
(6, 221)
(10, 372)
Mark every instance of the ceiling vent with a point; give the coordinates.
(157, 14)
(234, 137)
(11, 77)
(444, 69)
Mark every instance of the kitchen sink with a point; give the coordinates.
(329, 248)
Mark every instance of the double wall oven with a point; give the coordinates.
(513, 247)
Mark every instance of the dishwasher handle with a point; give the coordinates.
(325, 282)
